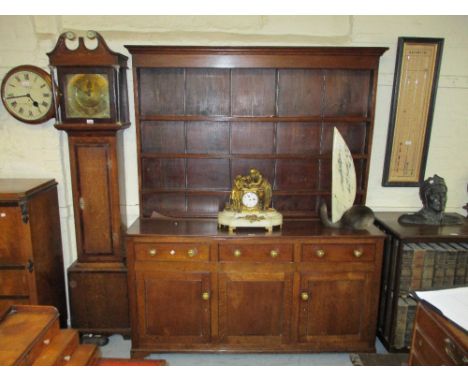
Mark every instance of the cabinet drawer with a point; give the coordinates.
(448, 349)
(425, 351)
(172, 252)
(256, 252)
(338, 252)
(13, 282)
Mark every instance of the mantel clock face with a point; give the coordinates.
(87, 96)
(250, 199)
(27, 94)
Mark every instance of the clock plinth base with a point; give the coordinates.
(262, 219)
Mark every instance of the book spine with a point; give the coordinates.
(400, 327)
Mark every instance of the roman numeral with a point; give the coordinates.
(45, 104)
(17, 79)
(26, 76)
(21, 110)
(46, 95)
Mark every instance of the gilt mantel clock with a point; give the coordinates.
(92, 107)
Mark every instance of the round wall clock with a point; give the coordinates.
(27, 94)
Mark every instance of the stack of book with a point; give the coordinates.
(426, 266)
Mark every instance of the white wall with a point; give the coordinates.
(41, 151)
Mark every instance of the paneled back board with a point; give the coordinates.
(207, 114)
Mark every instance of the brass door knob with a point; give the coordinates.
(192, 252)
(205, 296)
(320, 253)
(152, 252)
(358, 253)
(274, 253)
(304, 296)
(237, 253)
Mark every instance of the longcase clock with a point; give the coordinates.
(92, 107)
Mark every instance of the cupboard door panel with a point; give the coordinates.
(12, 249)
(254, 307)
(335, 305)
(172, 306)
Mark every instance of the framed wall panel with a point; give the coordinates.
(414, 92)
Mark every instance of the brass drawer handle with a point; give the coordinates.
(320, 253)
(304, 296)
(67, 358)
(205, 296)
(172, 252)
(358, 253)
(152, 252)
(274, 253)
(192, 252)
(237, 253)
(2, 214)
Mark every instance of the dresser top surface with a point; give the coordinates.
(15, 189)
(209, 228)
(389, 220)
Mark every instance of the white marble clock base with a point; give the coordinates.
(263, 219)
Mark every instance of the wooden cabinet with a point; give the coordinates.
(436, 266)
(436, 340)
(31, 260)
(196, 288)
(206, 114)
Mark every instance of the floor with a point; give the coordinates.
(120, 348)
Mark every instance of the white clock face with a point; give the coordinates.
(250, 199)
(27, 95)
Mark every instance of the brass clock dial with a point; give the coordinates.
(87, 96)
(27, 94)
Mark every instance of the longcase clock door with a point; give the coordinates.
(96, 201)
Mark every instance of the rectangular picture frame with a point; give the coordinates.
(414, 92)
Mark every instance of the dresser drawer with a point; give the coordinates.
(172, 252)
(425, 352)
(256, 252)
(428, 329)
(13, 282)
(338, 252)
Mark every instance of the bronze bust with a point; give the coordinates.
(433, 194)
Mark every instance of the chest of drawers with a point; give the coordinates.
(306, 288)
(31, 263)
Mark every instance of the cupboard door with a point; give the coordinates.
(255, 307)
(15, 246)
(173, 307)
(333, 306)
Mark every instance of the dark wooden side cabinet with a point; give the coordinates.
(400, 276)
(31, 260)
